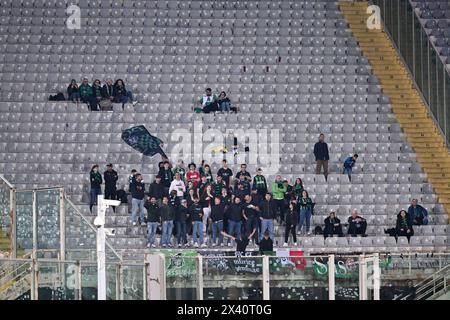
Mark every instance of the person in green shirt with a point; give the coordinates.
(278, 191)
(180, 169)
(209, 102)
(305, 207)
(298, 188)
(87, 96)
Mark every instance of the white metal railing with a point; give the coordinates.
(432, 287)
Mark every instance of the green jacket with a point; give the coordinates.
(278, 190)
(85, 90)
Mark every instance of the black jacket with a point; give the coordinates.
(96, 179)
(107, 91)
(268, 209)
(167, 212)
(111, 178)
(403, 224)
(156, 190)
(291, 218)
(137, 190)
(250, 212)
(321, 151)
(119, 92)
(217, 212)
(182, 214)
(330, 224)
(265, 245)
(166, 177)
(153, 214)
(234, 212)
(71, 90)
(97, 92)
(352, 223)
(196, 212)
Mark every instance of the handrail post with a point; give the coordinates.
(13, 217)
(199, 259)
(144, 282)
(331, 277)
(79, 286)
(35, 222)
(266, 278)
(376, 277)
(62, 224)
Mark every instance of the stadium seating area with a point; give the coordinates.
(304, 74)
(435, 17)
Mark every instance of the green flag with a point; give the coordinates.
(141, 140)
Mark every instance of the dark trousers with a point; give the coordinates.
(290, 229)
(111, 193)
(181, 232)
(91, 101)
(353, 230)
(94, 193)
(251, 224)
(212, 107)
(280, 208)
(332, 230)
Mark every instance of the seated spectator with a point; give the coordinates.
(121, 94)
(403, 227)
(86, 95)
(356, 224)
(224, 102)
(332, 226)
(73, 91)
(97, 93)
(417, 214)
(266, 243)
(349, 163)
(108, 90)
(209, 102)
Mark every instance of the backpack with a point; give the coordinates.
(106, 105)
(57, 97)
(318, 230)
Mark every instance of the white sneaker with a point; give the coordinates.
(163, 245)
(295, 243)
(143, 224)
(148, 245)
(187, 245)
(196, 245)
(308, 233)
(203, 245)
(179, 245)
(153, 245)
(213, 245)
(230, 244)
(134, 224)
(285, 244)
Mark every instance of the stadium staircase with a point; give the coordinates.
(407, 104)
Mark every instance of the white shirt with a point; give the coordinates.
(179, 186)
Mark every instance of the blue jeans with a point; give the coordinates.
(234, 228)
(94, 193)
(152, 226)
(74, 96)
(181, 232)
(167, 227)
(137, 207)
(197, 230)
(266, 224)
(127, 98)
(217, 229)
(348, 171)
(225, 106)
(305, 218)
